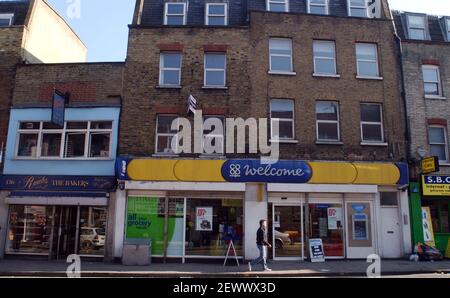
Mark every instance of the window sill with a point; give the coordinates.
(435, 97)
(369, 78)
(63, 159)
(215, 87)
(329, 143)
(283, 73)
(284, 141)
(319, 75)
(444, 164)
(167, 87)
(380, 144)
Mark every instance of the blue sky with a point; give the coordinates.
(102, 24)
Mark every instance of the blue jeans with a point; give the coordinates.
(262, 257)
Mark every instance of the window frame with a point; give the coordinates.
(215, 70)
(273, 71)
(225, 15)
(377, 62)
(337, 122)
(63, 132)
(9, 16)
(444, 128)
(222, 117)
(350, 6)
(157, 134)
(326, 5)
(162, 69)
(447, 27)
(166, 12)
(426, 34)
(438, 82)
(325, 58)
(285, 2)
(381, 123)
(272, 138)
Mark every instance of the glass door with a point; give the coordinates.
(65, 233)
(287, 227)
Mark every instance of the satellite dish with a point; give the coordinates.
(422, 152)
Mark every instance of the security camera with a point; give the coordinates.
(121, 185)
(403, 187)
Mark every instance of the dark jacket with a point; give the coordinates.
(261, 238)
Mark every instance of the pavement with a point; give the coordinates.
(330, 268)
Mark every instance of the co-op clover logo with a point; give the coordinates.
(235, 170)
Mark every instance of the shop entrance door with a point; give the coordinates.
(65, 240)
(391, 233)
(287, 235)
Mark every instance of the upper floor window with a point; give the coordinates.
(216, 14)
(431, 80)
(280, 55)
(447, 24)
(282, 113)
(417, 27)
(170, 69)
(213, 134)
(367, 60)
(175, 13)
(437, 137)
(371, 123)
(327, 121)
(6, 19)
(324, 57)
(78, 139)
(277, 5)
(215, 69)
(357, 8)
(318, 6)
(165, 133)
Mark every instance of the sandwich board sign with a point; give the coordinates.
(316, 250)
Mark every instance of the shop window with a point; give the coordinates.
(324, 57)
(437, 137)
(326, 222)
(439, 209)
(367, 60)
(80, 139)
(280, 50)
(6, 19)
(282, 112)
(357, 8)
(170, 69)
(211, 224)
(175, 14)
(371, 123)
(165, 134)
(327, 121)
(417, 28)
(213, 138)
(216, 14)
(92, 230)
(388, 199)
(215, 69)
(318, 6)
(29, 229)
(431, 80)
(277, 5)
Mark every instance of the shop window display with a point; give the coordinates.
(211, 224)
(92, 230)
(326, 222)
(439, 209)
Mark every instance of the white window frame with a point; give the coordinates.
(162, 69)
(214, 135)
(438, 82)
(377, 76)
(337, 122)
(373, 123)
(425, 25)
(166, 14)
(273, 71)
(325, 58)
(447, 26)
(350, 6)
(440, 144)
(272, 137)
(9, 16)
(157, 134)
(225, 15)
(63, 148)
(285, 2)
(326, 5)
(224, 70)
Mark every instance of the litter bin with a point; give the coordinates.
(137, 252)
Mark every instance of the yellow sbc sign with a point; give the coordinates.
(436, 185)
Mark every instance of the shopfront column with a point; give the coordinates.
(3, 223)
(119, 222)
(255, 209)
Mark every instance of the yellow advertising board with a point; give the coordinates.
(436, 185)
(428, 233)
(430, 165)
